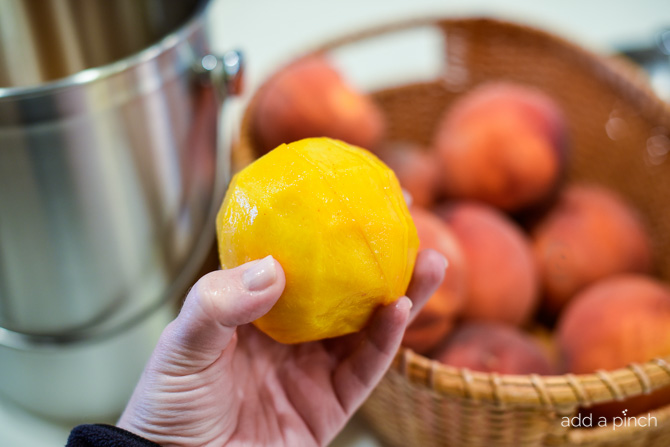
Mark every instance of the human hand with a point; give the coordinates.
(215, 380)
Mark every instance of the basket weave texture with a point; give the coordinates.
(618, 129)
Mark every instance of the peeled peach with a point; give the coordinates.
(494, 347)
(437, 317)
(615, 322)
(502, 277)
(334, 217)
(415, 168)
(503, 144)
(589, 233)
(309, 98)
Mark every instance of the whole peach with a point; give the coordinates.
(310, 98)
(534, 106)
(612, 323)
(437, 317)
(590, 233)
(502, 143)
(502, 277)
(494, 347)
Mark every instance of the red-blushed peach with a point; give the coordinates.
(494, 347)
(437, 317)
(535, 106)
(503, 144)
(617, 321)
(310, 98)
(415, 168)
(589, 234)
(502, 277)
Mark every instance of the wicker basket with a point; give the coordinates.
(619, 133)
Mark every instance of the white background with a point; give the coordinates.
(270, 31)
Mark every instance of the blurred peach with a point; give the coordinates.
(502, 277)
(494, 347)
(589, 234)
(502, 143)
(437, 317)
(615, 322)
(310, 98)
(415, 168)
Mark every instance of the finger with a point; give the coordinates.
(428, 274)
(218, 303)
(357, 374)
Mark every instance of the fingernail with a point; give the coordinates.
(445, 262)
(404, 303)
(260, 275)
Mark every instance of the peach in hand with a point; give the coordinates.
(334, 217)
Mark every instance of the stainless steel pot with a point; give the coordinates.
(109, 180)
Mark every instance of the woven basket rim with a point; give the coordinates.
(562, 393)
(553, 392)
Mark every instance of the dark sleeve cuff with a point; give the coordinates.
(101, 435)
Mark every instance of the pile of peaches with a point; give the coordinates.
(527, 252)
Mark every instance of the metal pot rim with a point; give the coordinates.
(102, 72)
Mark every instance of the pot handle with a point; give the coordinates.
(225, 72)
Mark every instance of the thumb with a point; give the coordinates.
(218, 303)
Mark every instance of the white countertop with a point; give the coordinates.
(270, 32)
